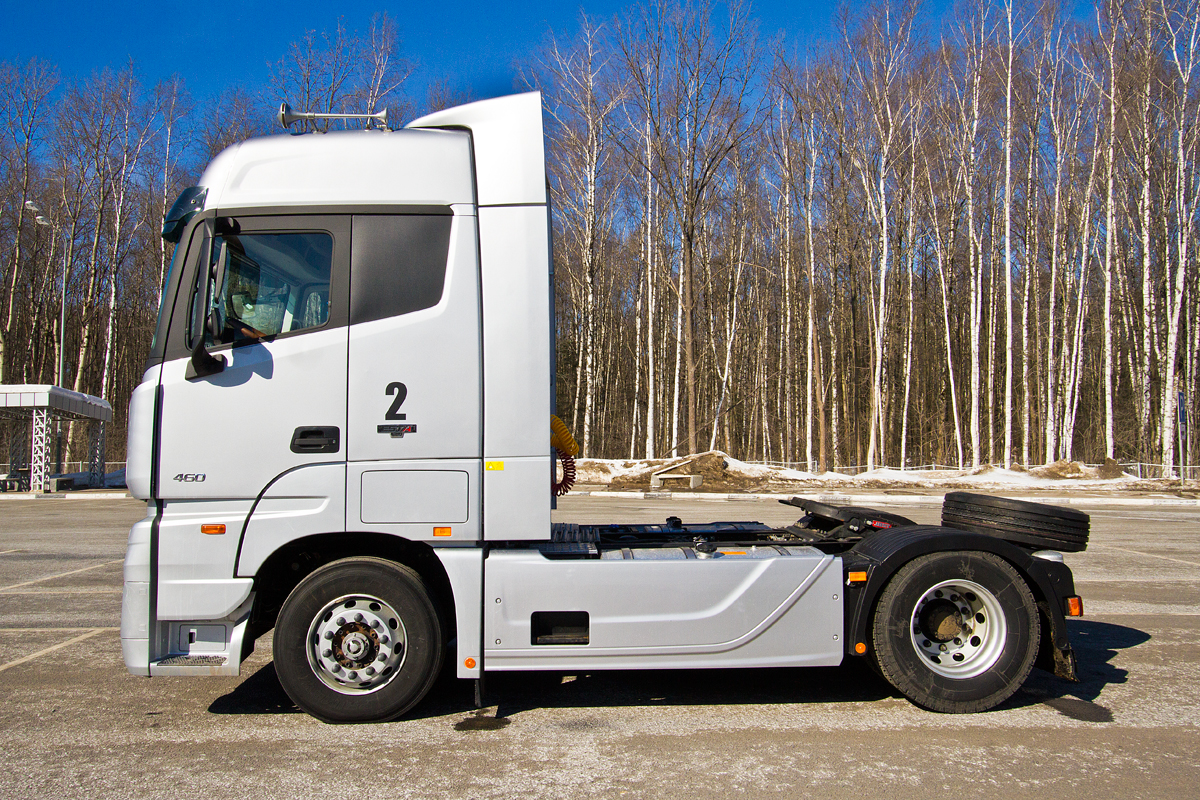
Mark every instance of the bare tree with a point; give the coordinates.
(694, 85)
(24, 93)
(581, 102)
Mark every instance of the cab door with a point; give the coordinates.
(277, 291)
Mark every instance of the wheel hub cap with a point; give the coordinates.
(958, 629)
(356, 644)
(940, 620)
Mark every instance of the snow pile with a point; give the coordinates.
(723, 473)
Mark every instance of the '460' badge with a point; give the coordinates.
(190, 477)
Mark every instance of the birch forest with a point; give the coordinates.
(955, 237)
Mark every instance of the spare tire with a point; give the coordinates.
(1018, 521)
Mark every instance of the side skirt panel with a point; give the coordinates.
(774, 611)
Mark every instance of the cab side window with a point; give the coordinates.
(253, 277)
(270, 283)
(399, 264)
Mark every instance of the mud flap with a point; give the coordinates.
(1059, 661)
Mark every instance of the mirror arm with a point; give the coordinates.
(204, 363)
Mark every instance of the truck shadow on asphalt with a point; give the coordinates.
(1095, 643)
(515, 692)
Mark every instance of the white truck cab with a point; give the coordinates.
(343, 433)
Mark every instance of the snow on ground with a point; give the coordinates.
(112, 480)
(722, 472)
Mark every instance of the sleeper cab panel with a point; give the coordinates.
(514, 258)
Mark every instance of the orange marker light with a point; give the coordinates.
(469, 663)
(441, 531)
(856, 577)
(1075, 606)
(860, 648)
(212, 530)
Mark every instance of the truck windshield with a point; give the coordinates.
(160, 328)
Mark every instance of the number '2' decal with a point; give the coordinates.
(401, 392)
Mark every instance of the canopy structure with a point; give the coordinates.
(29, 409)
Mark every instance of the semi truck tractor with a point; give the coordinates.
(343, 433)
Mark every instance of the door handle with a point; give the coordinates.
(316, 439)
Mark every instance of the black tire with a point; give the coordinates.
(998, 640)
(1030, 524)
(375, 613)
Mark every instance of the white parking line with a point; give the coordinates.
(59, 575)
(1103, 607)
(67, 643)
(80, 590)
(50, 630)
(1141, 553)
(6, 552)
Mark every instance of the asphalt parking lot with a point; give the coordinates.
(73, 723)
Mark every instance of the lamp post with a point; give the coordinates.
(42, 221)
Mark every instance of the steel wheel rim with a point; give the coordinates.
(960, 644)
(356, 644)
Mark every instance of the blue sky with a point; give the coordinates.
(470, 43)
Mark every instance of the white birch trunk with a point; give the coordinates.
(1008, 261)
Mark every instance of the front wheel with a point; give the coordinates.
(358, 640)
(956, 632)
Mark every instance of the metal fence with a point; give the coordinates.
(1135, 468)
(73, 467)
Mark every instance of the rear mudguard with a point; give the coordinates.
(882, 554)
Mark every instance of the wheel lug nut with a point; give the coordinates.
(335, 668)
(375, 624)
(382, 657)
(358, 617)
(328, 635)
(957, 640)
(384, 640)
(351, 674)
(926, 643)
(370, 670)
(966, 611)
(942, 647)
(326, 653)
(341, 620)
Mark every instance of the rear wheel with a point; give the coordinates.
(358, 640)
(956, 632)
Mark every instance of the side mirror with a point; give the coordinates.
(204, 363)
